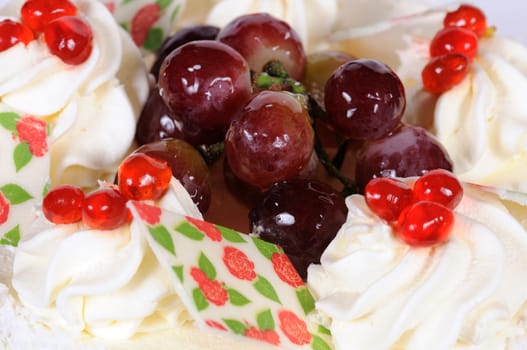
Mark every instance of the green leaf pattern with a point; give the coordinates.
(199, 299)
(8, 120)
(12, 237)
(265, 288)
(265, 248)
(265, 320)
(207, 266)
(162, 236)
(15, 194)
(236, 298)
(22, 155)
(306, 299)
(190, 231)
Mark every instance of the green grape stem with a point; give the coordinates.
(333, 167)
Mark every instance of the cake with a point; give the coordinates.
(57, 279)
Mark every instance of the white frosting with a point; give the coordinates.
(93, 107)
(468, 293)
(105, 283)
(482, 122)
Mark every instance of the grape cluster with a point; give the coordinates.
(279, 125)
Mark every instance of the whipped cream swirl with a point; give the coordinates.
(92, 107)
(468, 293)
(104, 283)
(483, 121)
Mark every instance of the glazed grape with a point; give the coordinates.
(261, 38)
(407, 151)
(320, 66)
(156, 121)
(187, 166)
(364, 99)
(205, 83)
(183, 36)
(302, 216)
(272, 140)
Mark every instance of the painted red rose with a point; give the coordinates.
(268, 336)
(33, 131)
(148, 213)
(143, 21)
(214, 292)
(285, 270)
(198, 275)
(212, 289)
(238, 264)
(216, 325)
(4, 209)
(207, 228)
(294, 327)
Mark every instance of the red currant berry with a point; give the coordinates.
(36, 14)
(444, 72)
(387, 197)
(63, 204)
(141, 176)
(11, 33)
(453, 39)
(440, 186)
(425, 224)
(104, 209)
(70, 39)
(469, 17)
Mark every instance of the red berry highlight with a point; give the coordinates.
(440, 186)
(141, 177)
(12, 33)
(425, 224)
(104, 209)
(444, 72)
(70, 39)
(387, 197)
(36, 14)
(63, 204)
(454, 40)
(469, 17)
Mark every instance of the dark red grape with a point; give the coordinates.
(187, 166)
(364, 99)
(156, 121)
(261, 38)
(205, 83)
(407, 151)
(271, 140)
(182, 36)
(320, 66)
(302, 216)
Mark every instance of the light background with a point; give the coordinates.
(509, 16)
